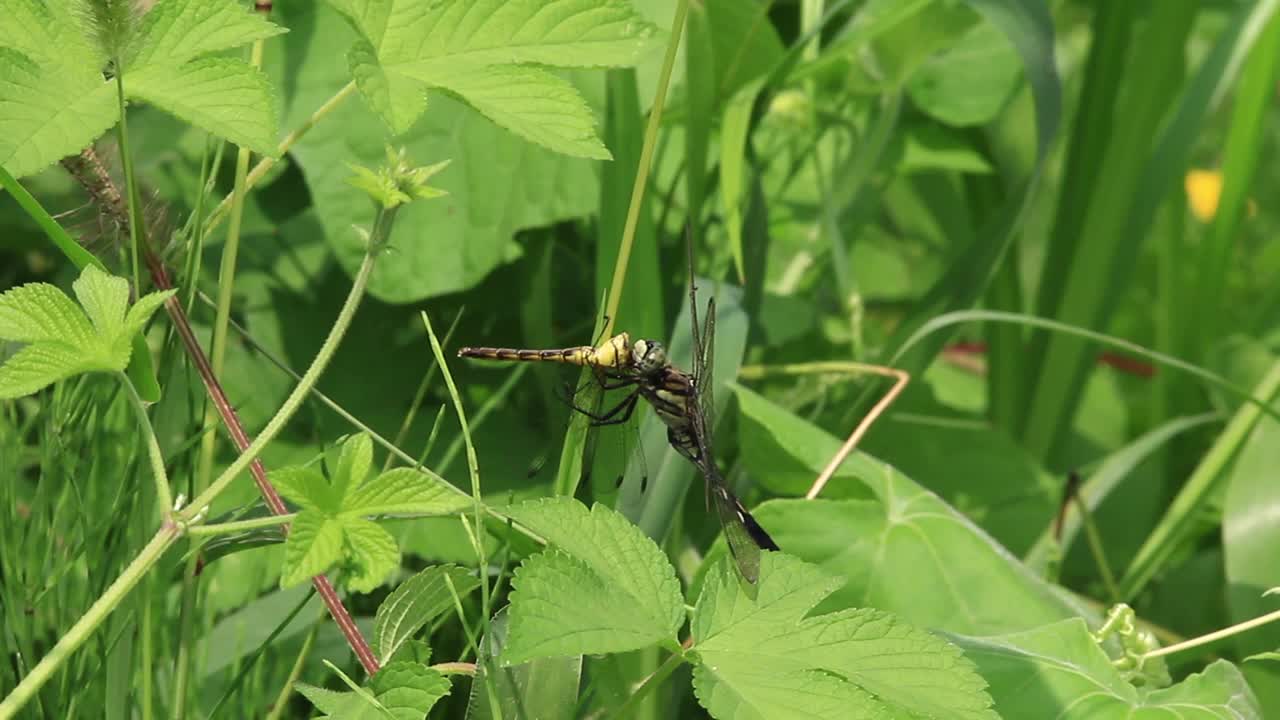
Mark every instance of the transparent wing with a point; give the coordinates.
(745, 536)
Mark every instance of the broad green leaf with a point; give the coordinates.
(969, 82)
(105, 299)
(374, 553)
(175, 31)
(406, 491)
(532, 103)
(35, 367)
(224, 96)
(547, 688)
(481, 50)
(305, 487)
(417, 602)
(402, 691)
(408, 689)
(48, 112)
(560, 607)
(758, 656)
(67, 340)
(39, 312)
(314, 545)
(604, 550)
(923, 147)
(1059, 671)
(505, 185)
(354, 461)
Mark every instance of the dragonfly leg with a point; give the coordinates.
(626, 407)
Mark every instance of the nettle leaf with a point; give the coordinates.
(66, 339)
(480, 51)
(314, 546)
(306, 487)
(373, 553)
(55, 100)
(354, 462)
(603, 587)
(417, 602)
(406, 491)
(767, 658)
(403, 690)
(1059, 671)
(165, 33)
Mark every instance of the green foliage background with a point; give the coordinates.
(858, 176)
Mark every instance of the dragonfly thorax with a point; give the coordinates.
(648, 356)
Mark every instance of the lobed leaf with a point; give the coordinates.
(406, 491)
(314, 545)
(175, 31)
(373, 551)
(225, 96)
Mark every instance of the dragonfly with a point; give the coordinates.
(682, 401)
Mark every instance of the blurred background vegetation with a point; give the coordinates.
(852, 172)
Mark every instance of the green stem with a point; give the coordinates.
(651, 682)
(89, 622)
(642, 168)
(164, 495)
(126, 160)
(1214, 636)
(228, 528)
(378, 237)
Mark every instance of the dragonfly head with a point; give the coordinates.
(649, 356)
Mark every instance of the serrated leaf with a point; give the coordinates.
(48, 112)
(39, 311)
(374, 551)
(105, 299)
(305, 486)
(1059, 671)
(225, 96)
(35, 367)
(615, 551)
(47, 32)
(409, 690)
(897, 666)
(174, 31)
(766, 694)
(354, 461)
(314, 545)
(480, 51)
(142, 310)
(532, 103)
(398, 100)
(560, 607)
(559, 33)
(416, 602)
(406, 491)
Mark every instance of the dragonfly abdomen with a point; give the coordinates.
(571, 355)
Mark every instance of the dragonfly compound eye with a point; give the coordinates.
(651, 356)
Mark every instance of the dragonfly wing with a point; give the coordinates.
(744, 535)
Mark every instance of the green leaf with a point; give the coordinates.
(39, 312)
(105, 300)
(305, 487)
(604, 587)
(481, 50)
(48, 112)
(969, 82)
(374, 553)
(314, 545)
(354, 462)
(175, 31)
(406, 491)
(37, 366)
(417, 602)
(142, 310)
(225, 96)
(405, 690)
(1059, 671)
(67, 340)
(408, 689)
(758, 656)
(532, 103)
